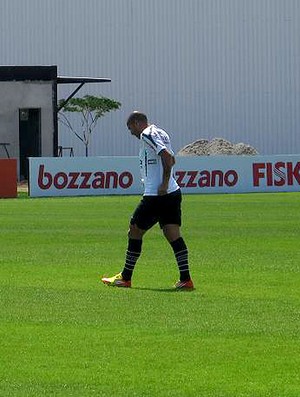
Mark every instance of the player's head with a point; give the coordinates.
(136, 123)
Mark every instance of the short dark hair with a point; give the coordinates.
(137, 116)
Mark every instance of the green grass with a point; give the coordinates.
(63, 333)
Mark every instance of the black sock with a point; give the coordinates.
(181, 255)
(133, 253)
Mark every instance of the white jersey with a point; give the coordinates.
(153, 141)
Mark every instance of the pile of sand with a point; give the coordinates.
(217, 146)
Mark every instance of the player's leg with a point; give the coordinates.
(170, 222)
(143, 219)
(172, 234)
(133, 252)
(134, 249)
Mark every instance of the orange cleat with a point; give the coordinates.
(184, 285)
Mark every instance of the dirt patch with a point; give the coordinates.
(217, 146)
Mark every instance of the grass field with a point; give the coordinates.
(63, 333)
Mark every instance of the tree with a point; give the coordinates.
(91, 108)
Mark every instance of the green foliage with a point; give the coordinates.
(91, 108)
(90, 104)
(63, 333)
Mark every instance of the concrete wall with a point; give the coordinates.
(16, 95)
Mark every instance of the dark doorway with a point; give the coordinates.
(29, 138)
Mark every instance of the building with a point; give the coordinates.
(28, 126)
(28, 110)
(199, 68)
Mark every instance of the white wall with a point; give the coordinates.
(199, 68)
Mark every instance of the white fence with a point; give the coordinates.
(92, 176)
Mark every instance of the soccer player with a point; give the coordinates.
(161, 202)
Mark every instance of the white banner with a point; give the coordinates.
(89, 176)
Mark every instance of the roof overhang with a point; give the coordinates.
(79, 80)
(43, 73)
(46, 73)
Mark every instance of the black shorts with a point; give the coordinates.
(163, 209)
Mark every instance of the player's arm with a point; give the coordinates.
(167, 163)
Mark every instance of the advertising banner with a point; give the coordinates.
(90, 176)
(83, 176)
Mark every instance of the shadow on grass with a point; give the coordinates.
(161, 289)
